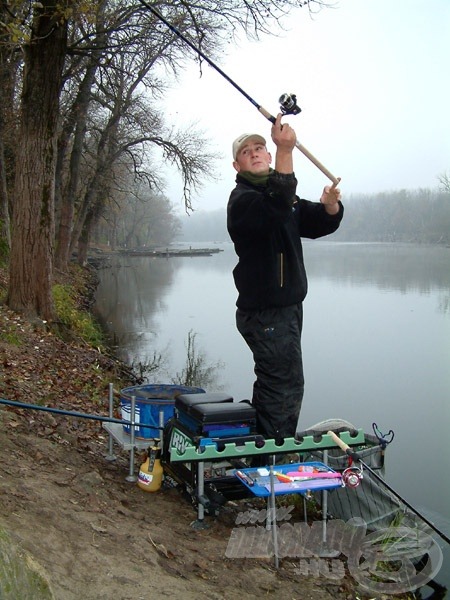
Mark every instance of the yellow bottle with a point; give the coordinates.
(151, 471)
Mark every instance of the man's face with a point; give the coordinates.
(253, 157)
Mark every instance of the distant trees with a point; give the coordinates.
(444, 180)
(206, 226)
(79, 123)
(420, 216)
(139, 218)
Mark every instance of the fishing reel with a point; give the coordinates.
(351, 477)
(288, 104)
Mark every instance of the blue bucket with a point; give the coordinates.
(150, 401)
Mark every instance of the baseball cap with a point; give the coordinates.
(240, 141)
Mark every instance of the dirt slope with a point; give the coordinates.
(97, 536)
(100, 537)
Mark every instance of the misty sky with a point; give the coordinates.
(372, 79)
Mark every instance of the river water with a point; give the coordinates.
(376, 345)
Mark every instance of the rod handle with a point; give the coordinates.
(266, 114)
(318, 164)
(345, 447)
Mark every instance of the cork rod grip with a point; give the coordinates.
(345, 447)
(318, 164)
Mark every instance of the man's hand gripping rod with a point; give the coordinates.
(304, 151)
(262, 110)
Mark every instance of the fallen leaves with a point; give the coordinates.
(99, 529)
(161, 549)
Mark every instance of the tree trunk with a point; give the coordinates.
(97, 185)
(84, 239)
(5, 237)
(31, 263)
(79, 115)
(7, 69)
(68, 197)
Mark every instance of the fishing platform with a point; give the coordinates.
(211, 438)
(209, 442)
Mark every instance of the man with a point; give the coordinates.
(266, 220)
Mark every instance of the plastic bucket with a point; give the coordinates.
(151, 400)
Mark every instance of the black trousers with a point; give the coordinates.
(274, 337)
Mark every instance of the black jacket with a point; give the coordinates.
(265, 223)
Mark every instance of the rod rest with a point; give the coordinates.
(235, 450)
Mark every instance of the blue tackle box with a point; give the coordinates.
(215, 415)
(304, 478)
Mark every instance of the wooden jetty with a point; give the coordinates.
(172, 252)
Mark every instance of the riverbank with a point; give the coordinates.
(96, 535)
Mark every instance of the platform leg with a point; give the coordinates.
(200, 522)
(324, 505)
(201, 489)
(272, 513)
(161, 425)
(131, 477)
(110, 456)
(325, 552)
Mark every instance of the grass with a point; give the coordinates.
(10, 337)
(75, 319)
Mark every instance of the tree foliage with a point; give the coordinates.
(139, 218)
(80, 119)
(444, 180)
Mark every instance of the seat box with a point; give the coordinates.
(220, 419)
(184, 402)
(227, 412)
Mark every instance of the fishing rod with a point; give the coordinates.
(355, 456)
(288, 102)
(70, 413)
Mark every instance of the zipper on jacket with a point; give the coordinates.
(281, 269)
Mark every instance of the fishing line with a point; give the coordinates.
(288, 101)
(355, 456)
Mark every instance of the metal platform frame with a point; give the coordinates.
(127, 441)
(210, 452)
(192, 453)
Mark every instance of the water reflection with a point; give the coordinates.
(130, 293)
(375, 343)
(136, 294)
(399, 267)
